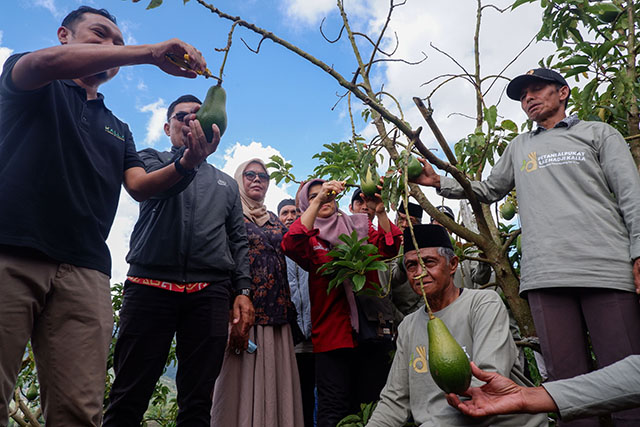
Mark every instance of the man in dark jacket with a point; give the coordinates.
(188, 252)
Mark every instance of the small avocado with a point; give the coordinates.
(609, 12)
(32, 392)
(369, 185)
(213, 110)
(507, 210)
(448, 363)
(414, 168)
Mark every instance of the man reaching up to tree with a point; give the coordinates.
(64, 157)
(579, 202)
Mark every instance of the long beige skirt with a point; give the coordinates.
(260, 389)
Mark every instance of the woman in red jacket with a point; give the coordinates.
(334, 316)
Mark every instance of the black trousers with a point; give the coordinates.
(347, 377)
(307, 373)
(149, 319)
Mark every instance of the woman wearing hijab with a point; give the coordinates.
(334, 316)
(261, 388)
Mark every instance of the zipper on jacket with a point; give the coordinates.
(190, 232)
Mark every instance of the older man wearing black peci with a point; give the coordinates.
(476, 318)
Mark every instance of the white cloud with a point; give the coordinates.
(309, 12)
(50, 5)
(5, 52)
(118, 241)
(127, 28)
(239, 153)
(142, 85)
(450, 26)
(155, 124)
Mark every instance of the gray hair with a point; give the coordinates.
(447, 253)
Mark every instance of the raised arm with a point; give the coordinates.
(328, 193)
(499, 182)
(77, 60)
(141, 185)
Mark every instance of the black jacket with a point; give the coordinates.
(192, 232)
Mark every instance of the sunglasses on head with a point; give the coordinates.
(251, 175)
(179, 116)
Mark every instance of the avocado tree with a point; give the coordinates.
(397, 139)
(598, 43)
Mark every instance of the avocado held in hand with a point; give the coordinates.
(369, 185)
(448, 363)
(414, 168)
(213, 110)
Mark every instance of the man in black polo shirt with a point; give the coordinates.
(63, 158)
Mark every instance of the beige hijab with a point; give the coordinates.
(255, 210)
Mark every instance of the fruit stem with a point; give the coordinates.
(405, 198)
(226, 51)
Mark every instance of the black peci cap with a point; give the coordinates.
(427, 236)
(415, 210)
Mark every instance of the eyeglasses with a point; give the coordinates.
(179, 116)
(251, 175)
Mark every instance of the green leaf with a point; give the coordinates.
(379, 265)
(154, 3)
(491, 115)
(509, 125)
(575, 71)
(520, 2)
(358, 282)
(576, 60)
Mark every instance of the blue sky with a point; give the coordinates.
(277, 103)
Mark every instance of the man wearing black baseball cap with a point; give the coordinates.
(579, 204)
(538, 75)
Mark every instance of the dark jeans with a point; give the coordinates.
(148, 321)
(348, 377)
(564, 316)
(307, 373)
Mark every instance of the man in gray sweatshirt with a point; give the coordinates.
(579, 203)
(476, 318)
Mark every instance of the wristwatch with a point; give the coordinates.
(181, 169)
(244, 291)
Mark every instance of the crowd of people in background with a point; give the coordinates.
(260, 341)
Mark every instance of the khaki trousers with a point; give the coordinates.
(66, 312)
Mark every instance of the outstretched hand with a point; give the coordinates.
(499, 395)
(177, 49)
(375, 203)
(428, 177)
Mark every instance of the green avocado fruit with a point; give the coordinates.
(507, 210)
(448, 363)
(609, 12)
(414, 168)
(369, 185)
(213, 110)
(519, 243)
(32, 392)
